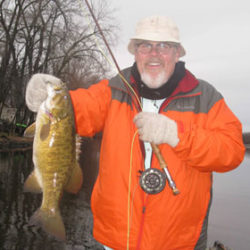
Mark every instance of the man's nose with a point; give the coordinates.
(154, 50)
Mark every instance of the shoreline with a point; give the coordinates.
(15, 143)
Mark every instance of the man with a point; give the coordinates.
(164, 104)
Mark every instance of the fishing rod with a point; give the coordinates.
(155, 148)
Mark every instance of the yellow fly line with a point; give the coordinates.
(105, 56)
(132, 143)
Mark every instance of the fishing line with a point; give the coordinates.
(129, 188)
(129, 209)
(129, 88)
(155, 148)
(113, 62)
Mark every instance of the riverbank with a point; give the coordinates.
(14, 143)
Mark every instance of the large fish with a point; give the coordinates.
(54, 153)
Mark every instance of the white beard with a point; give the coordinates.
(154, 82)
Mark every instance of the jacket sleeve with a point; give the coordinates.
(216, 145)
(90, 107)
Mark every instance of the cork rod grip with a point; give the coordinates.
(163, 165)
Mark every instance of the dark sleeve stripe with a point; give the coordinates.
(199, 100)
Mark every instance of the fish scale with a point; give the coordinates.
(54, 155)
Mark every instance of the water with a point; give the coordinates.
(229, 220)
(16, 208)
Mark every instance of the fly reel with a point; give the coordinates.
(152, 181)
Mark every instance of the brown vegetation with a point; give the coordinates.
(54, 37)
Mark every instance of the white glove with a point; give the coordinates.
(36, 91)
(156, 128)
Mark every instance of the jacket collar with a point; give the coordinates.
(187, 84)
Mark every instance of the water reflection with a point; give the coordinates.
(229, 219)
(16, 207)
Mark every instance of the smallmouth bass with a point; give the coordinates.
(54, 154)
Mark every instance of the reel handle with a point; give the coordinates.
(163, 165)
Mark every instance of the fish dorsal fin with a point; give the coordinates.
(44, 132)
(75, 182)
(30, 131)
(32, 185)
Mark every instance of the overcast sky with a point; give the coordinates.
(215, 34)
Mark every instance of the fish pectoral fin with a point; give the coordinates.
(51, 222)
(30, 131)
(75, 182)
(44, 132)
(32, 185)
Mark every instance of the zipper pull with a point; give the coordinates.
(143, 209)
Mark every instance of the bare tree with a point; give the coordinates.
(56, 37)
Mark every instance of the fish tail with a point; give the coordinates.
(51, 223)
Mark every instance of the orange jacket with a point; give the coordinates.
(210, 140)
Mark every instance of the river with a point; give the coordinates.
(16, 206)
(228, 222)
(229, 219)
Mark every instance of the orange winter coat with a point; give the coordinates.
(210, 140)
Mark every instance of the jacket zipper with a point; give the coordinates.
(145, 198)
(164, 105)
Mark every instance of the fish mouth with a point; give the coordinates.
(58, 86)
(57, 89)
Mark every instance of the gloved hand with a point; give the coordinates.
(36, 91)
(156, 128)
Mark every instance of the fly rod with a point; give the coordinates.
(155, 148)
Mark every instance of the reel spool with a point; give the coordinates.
(152, 181)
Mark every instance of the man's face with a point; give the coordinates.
(156, 61)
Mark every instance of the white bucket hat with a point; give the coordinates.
(156, 28)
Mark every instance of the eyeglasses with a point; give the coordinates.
(161, 48)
